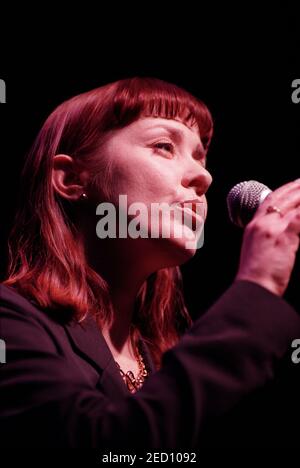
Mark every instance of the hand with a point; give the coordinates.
(271, 240)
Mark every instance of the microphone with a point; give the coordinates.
(244, 199)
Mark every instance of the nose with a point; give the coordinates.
(198, 178)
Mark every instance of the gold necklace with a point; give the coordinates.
(134, 383)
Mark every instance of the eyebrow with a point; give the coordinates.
(178, 137)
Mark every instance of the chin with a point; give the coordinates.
(187, 239)
(179, 244)
(174, 251)
(185, 247)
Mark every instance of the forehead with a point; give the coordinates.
(148, 125)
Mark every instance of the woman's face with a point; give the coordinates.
(158, 160)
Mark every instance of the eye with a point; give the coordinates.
(164, 146)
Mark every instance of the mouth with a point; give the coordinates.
(194, 206)
(194, 212)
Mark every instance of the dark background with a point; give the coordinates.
(240, 59)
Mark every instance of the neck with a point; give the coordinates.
(118, 334)
(124, 273)
(124, 264)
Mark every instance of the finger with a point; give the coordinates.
(289, 202)
(285, 198)
(293, 221)
(282, 191)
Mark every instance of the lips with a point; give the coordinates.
(196, 205)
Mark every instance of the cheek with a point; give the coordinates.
(145, 181)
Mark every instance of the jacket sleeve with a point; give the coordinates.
(228, 352)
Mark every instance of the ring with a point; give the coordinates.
(274, 209)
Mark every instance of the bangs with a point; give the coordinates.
(150, 97)
(82, 121)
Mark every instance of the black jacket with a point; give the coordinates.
(60, 386)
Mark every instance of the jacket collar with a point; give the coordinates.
(91, 345)
(89, 342)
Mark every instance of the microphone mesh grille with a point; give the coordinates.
(243, 200)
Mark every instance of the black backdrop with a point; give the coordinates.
(240, 60)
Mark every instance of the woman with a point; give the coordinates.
(88, 320)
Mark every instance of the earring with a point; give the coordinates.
(83, 196)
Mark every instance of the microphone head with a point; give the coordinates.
(244, 199)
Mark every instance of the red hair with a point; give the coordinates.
(47, 262)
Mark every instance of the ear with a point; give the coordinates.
(67, 180)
